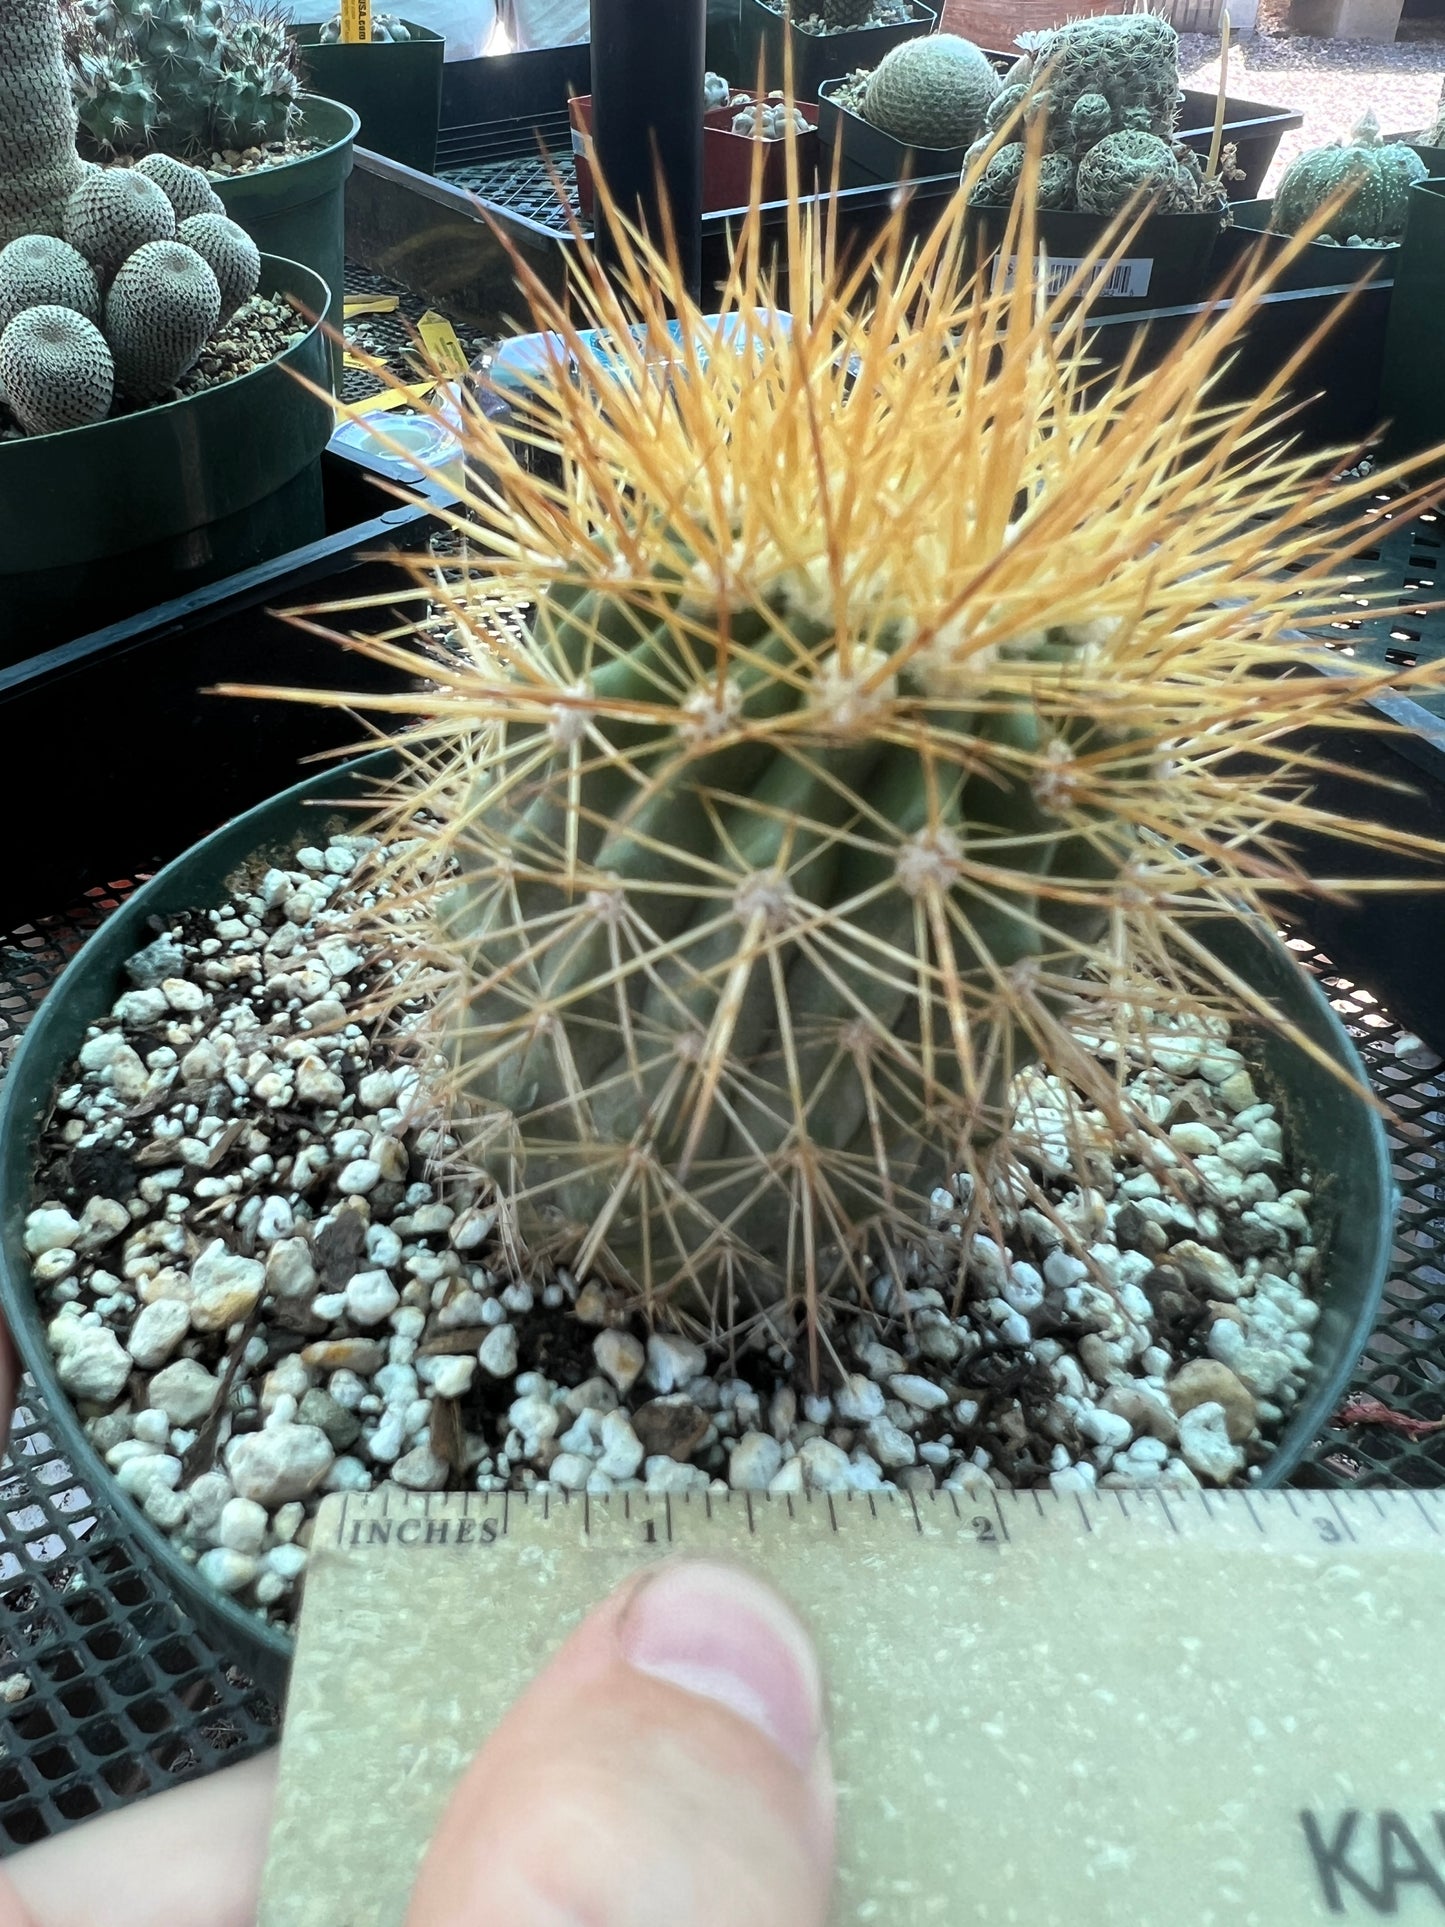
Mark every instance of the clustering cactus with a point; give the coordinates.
(1129, 168)
(114, 211)
(55, 370)
(902, 689)
(1372, 176)
(161, 311)
(191, 75)
(186, 188)
(931, 92)
(39, 167)
(1129, 61)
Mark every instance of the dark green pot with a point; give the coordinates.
(1333, 1131)
(1323, 264)
(102, 521)
(1412, 386)
(395, 88)
(298, 210)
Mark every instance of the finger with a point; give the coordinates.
(191, 1858)
(668, 1769)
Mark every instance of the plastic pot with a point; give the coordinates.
(104, 520)
(1334, 1134)
(727, 158)
(816, 57)
(298, 210)
(1412, 387)
(1169, 263)
(396, 88)
(868, 155)
(1323, 264)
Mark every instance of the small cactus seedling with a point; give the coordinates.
(1369, 180)
(901, 693)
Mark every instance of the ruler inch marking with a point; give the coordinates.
(1379, 1509)
(1119, 1501)
(1338, 1510)
(1173, 1522)
(917, 1519)
(1038, 1502)
(341, 1527)
(1002, 1524)
(832, 1512)
(707, 1504)
(586, 1515)
(667, 1514)
(1083, 1512)
(1204, 1501)
(1283, 1492)
(957, 1508)
(872, 1508)
(1424, 1511)
(1249, 1508)
(752, 1523)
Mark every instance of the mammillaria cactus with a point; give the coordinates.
(999, 181)
(55, 370)
(162, 308)
(186, 188)
(229, 252)
(903, 693)
(1130, 61)
(39, 167)
(1128, 167)
(220, 74)
(1373, 175)
(931, 92)
(38, 271)
(841, 16)
(114, 211)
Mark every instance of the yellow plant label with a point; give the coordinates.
(356, 20)
(405, 397)
(359, 304)
(439, 338)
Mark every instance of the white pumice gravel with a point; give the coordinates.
(265, 1279)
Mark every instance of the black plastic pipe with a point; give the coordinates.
(647, 104)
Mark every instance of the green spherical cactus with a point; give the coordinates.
(55, 370)
(186, 188)
(998, 183)
(39, 168)
(931, 92)
(42, 271)
(1373, 176)
(1129, 168)
(162, 309)
(254, 106)
(114, 211)
(229, 252)
(1130, 61)
(117, 106)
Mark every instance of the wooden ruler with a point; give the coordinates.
(1212, 1710)
(356, 20)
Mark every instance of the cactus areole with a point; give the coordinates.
(884, 723)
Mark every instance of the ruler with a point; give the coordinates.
(1205, 1710)
(356, 21)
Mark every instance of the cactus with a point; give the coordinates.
(931, 92)
(39, 168)
(220, 74)
(385, 27)
(229, 252)
(186, 188)
(1373, 176)
(162, 309)
(841, 16)
(40, 271)
(114, 211)
(1130, 61)
(998, 182)
(1125, 168)
(898, 677)
(55, 370)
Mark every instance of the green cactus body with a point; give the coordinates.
(162, 309)
(1128, 167)
(219, 80)
(999, 181)
(726, 850)
(39, 270)
(1374, 176)
(1130, 61)
(186, 188)
(841, 16)
(934, 91)
(55, 370)
(116, 105)
(39, 167)
(229, 252)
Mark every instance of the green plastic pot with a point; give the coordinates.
(101, 521)
(1169, 263)
(1334, 1132)
(298, 210)
(816, 57)
(395, 87)
(1412, 385)
(1323, 264)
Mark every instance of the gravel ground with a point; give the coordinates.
(1331, 82)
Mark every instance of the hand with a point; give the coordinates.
(669, 1768)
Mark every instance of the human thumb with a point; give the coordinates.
(668, 1769)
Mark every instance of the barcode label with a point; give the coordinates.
(1127, 279)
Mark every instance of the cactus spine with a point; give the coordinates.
(39, 168)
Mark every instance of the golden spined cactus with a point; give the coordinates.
(898, 694)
